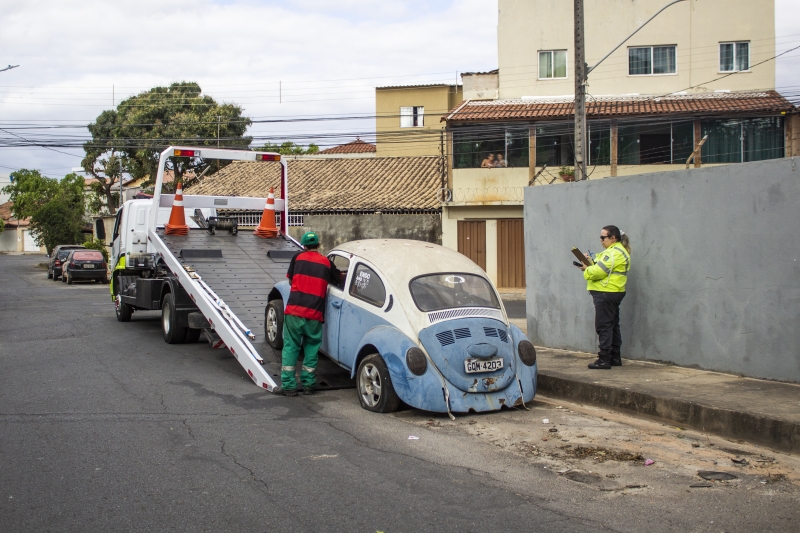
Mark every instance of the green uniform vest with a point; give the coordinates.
(610, 271)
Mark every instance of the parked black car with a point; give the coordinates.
(57, 258)
(84, 264)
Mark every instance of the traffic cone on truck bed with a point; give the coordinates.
(177, 218)
(266, 228)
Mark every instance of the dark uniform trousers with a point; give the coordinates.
(606, 323)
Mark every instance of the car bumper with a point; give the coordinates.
(87, 273)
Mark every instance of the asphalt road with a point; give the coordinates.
(104, 427)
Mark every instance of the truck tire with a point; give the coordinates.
(375, 390)
(193, 335)
(124, 311)
(169, 317)
(273, 324)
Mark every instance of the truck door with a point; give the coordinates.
(116, 241)
(333, 308)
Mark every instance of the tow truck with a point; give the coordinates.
(215, 281)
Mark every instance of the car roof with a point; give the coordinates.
(401, 260)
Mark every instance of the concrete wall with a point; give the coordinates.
(394, 141)
(697, 27)
(334, 230)
(715, 279)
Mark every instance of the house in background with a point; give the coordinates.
(343, 199)
(408, 118)
(17, 237)
(699, 69)
(354, 149)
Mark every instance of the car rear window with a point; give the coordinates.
(446, 291)
(87, 256)
(62, 254)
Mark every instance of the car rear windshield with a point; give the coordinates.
(87, 256)
(446, 291)
(62, 254)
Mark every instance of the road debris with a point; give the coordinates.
(716, 476)
(545, 421)
(553, 430)
(740, 461)
(648, 462)
(412, 437)
(700, 486)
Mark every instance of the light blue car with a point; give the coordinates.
(422, 324)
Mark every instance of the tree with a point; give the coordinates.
(55, 208)
(144, 125)
(2, 225)
(288, 148)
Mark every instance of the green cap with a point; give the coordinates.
(309, 239)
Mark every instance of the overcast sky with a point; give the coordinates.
(77, 58)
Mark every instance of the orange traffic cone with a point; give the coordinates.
(177, 218)
(266, 228)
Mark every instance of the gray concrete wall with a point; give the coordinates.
(715, 279)
(337, 229)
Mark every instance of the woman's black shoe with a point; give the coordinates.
(600, 365)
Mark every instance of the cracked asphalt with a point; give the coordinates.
(104, 427)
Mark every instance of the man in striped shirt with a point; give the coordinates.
(309, 273)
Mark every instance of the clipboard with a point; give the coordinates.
(582, 258)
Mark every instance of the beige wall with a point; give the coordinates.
(695, 26)
(394, 141)
(489, 185)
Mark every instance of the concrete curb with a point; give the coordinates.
(772, 432)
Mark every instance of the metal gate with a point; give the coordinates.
(472, 240)
(510, 253)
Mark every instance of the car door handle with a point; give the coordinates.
(337, 305)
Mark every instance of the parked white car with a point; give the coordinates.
(422, 324)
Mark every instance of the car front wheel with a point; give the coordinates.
(375, 390)
(273, 324)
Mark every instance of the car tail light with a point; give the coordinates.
(416, 361)
(186, 153)
(58, 263)
(527, 353)
(72, 263)
(268, 157)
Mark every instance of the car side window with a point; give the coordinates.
(367, 286)
(343, 264)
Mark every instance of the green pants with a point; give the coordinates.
(296, 332)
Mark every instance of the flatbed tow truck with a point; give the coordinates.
(215, 281)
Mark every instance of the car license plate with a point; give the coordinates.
(483, 365)
(88, 265)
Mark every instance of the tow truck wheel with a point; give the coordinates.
(273, 324)
(124, 311)
(375, 390)
(169, 317)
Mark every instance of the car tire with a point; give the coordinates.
(69, 279)
(375, 390)
(193, 335)
(55, 278)
(49, 274)
(124, 311)
(169, 317)
(63, 278)
(273, 324)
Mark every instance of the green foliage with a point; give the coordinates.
(55, 208)
(144, 125)
(2, 225)
(288, 148)
(97, 244)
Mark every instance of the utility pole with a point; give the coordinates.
(579, 145)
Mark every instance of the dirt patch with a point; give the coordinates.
(600, 454)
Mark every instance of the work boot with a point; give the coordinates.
(600, 365)
(308, 391)
(616, 362)
(280, 391)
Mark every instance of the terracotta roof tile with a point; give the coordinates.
(381, 183)
(8, 217)
(607, 107)
(356, 147)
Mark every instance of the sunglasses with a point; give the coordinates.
(604, 237)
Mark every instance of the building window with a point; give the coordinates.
(655, 143)
(552, 64)
(739, 141)
(490, 146)
(734, 57)
(412, 117)
(650, 60)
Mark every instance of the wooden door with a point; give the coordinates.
(472, 240)
(510, 253)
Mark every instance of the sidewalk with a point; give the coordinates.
(758, 411)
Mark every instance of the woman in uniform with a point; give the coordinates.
(605, 281)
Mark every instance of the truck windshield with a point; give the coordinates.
(446, 291)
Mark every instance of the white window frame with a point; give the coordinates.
(416, 113)
(651, 47)
(734, 43)
(552, 64)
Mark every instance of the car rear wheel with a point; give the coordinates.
(124, 311)
(273, 324)
(375, 390)
(169, 318)
(63, 277)
(49, 274)
(69, 278)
